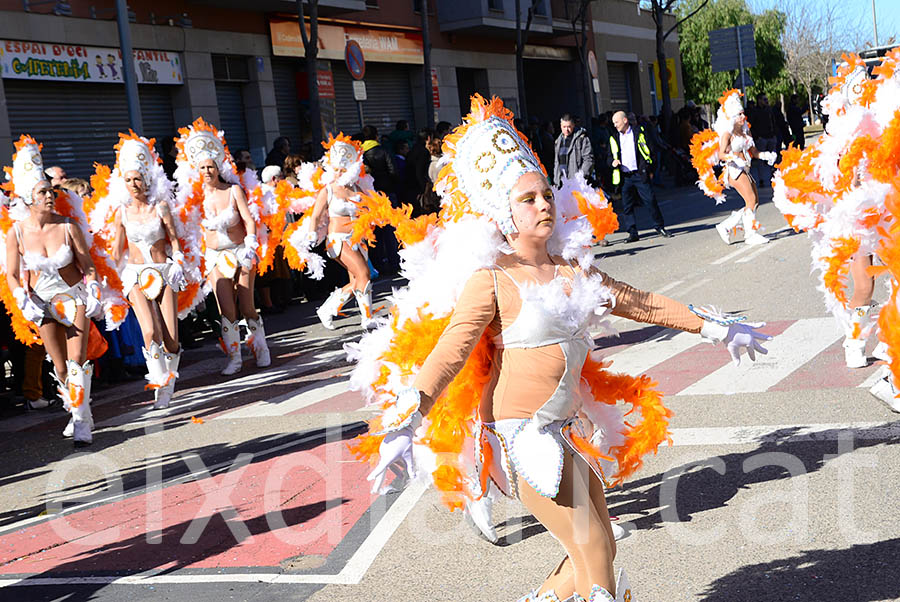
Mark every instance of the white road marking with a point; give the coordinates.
(669, 286)
(636, 359)
(739, 435)
(291, 402)
(204, 395)
(352, 573)
(743, 249)
(800, 343)
(759, 251)
(693, 285)
(872, 379)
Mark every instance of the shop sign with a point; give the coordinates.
(380, 46)
(326, 84)
(435, 93)
(66, 62)
(672, 79)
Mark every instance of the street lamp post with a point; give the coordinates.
(874, 24)
(128, 74)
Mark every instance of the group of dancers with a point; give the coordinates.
(483, 373)
(158, 247)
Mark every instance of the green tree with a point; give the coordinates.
(704, 86)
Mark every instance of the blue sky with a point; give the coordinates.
(858, 12)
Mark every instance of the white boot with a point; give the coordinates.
(598, 594)
(533, 596)
(855, 341)
(157, 375)
(751, 229)
(886, 390)
(726, 228)
(478, 515)
(256, 341)
(77, 400)
(881, 352)
(332, 306)
(231, 340)
(364, 301)
(163, 395)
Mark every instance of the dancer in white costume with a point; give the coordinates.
(53, 280)
(731, 145)
(837, 191)
(485, 373)
(230, 233)
(337, 201)
(137, 198)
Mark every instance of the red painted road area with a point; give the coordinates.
(300, 503)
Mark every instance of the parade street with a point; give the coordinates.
(779, 483)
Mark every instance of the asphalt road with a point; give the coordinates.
(780, 483)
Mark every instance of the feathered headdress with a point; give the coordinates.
(27, 169)
(483, 158)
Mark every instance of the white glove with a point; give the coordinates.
(769, 157)
(31, 310)
(176, 272)
(92, 307)
(397, 447)
(247, 256)
(741, 335)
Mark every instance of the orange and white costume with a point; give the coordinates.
(841, 190)
(705, 154)
(180, 271)
(196, 143)
(508, 362)
(51, 297)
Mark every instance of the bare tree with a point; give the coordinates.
(658, 9)
(577, 14)
(426, 66)
(311, 52)
(815, 33)
(521, 40)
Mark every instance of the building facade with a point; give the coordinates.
(241, 66)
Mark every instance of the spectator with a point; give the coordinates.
(79, 186)
(631, 160)
(572, 151)
(281, 148)
(402, 133)
(56, 174)
(417, 161)
(378, 162)
(292, 169)
(795, 120)
(548, 144)
(381, 167)
(243, 160)
(442, 129)
(170, 152)
(401, 150)
(765, 135)
(271, 175)
(430, 200)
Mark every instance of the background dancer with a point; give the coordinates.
(57, 288)
(730, 144)
(138, 197)
(505, 365)
(207, 170)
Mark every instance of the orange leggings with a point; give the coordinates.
(577, 517)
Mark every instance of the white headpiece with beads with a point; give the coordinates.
(202, 145)
(490, 158)
(134, 155)
(27, 170)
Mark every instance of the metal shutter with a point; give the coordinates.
(619, 96)
(78, 123)
(389, 97)
(230, 98)
(286, 101)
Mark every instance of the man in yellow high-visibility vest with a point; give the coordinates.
(631, 161)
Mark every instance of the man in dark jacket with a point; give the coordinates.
(795, 119)
(764, 129)
(572, 152)
(281, 148)
(417, 162)
(631, 160)
(380, 166)
(378, 162)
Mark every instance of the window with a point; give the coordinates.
(230, 68)
(541, 8)
(495, 4)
